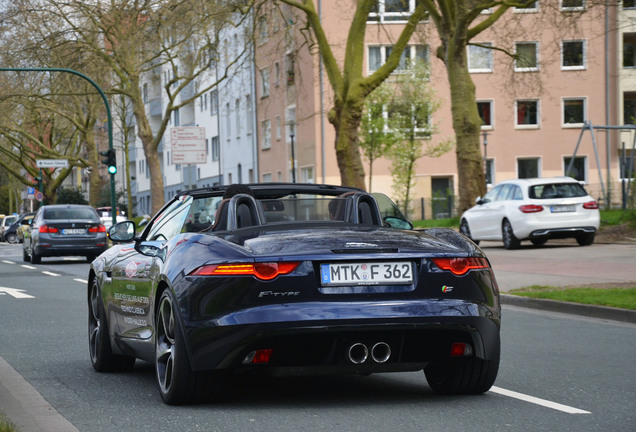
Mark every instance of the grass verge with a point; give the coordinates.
(6, 425)
(618, 297)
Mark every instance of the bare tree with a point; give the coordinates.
(131, 38)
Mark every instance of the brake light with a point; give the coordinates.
(97, 229)
(48, 229)
(590, 205)
(531, 208)
(460, 266)
(262, 271)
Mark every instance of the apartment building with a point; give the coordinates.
(568, 74)
(268, 121)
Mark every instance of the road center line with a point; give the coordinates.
(538, 401)
(50, 273)
(28, 267)
(8, 262)
(81, 281)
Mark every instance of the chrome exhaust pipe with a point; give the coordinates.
(358, 353)
(381, 352)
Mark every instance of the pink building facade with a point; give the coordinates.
(570, 73)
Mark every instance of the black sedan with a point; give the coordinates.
(290, 279)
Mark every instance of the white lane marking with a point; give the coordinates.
(81, 281)
(538, 401)
(28, 267)
(50, 273)
(8, 262)
(16, 293)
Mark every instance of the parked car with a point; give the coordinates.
(535, 209)
(291, 279)
(5, 222)
(11, 234)
(64, 230)
(106, 216)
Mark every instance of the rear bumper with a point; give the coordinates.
(557, 233)
(48, 250)
(321, 346)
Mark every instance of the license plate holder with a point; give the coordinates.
(366, 273)
(73, 231)
(567, 208)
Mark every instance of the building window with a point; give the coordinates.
(527, 113)
(578, 170)
(490, 171)
(264, 83)
(228, 120)
(485, 113)
(145, 93)
(216, 148)
(267, 178)
(392, 10)
(176, 117)
(629, 108)
(527, 168)
(532, 7)
(629, 50)
(307, 174)
(379, 54)
(573, 112)
(263, 35)
(214, 102)
(629, 4)
(250, 110)
(237, 115)
(527, 56)
(573, 55)
(480, 58)
(279, 128)
(276, 74)
(266, 129)
(572, 5)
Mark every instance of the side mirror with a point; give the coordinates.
(122, 232)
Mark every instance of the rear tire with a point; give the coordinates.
(102, 357)
(12, 238)
(178, 384)
(467, 375)
(509, 239)
(35, 258)
(25, 256)
(585, 239)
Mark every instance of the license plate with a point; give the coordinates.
(562, 208)
(375, 273)
(73, 231)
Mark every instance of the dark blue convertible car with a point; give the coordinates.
(291, 279)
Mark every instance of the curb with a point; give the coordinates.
(591, 311)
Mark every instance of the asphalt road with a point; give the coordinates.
(558, 372)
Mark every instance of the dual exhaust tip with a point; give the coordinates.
(358, 353)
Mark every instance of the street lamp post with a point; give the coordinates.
(293, 152)
(485, 135)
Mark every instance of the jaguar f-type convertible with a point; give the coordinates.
(290, 279)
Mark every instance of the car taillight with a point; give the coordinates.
(460, 266)
(262, 271)
(590, 205)
(97, 229)
(531, 208)
(47, 229)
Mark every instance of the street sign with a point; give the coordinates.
(30, 192)
(188, 145)
(39, 196)
(51, 163)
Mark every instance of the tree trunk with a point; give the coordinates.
(467, 125)
(346, 121)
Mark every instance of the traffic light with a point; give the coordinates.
(110, 161)
(38, 182)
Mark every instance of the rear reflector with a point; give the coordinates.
(590, 205)
(531, 208)
(258, 357)
(262, 271)
(461, 349)
(460, 266)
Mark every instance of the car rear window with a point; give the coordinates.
(58, 214)
(556, 190)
